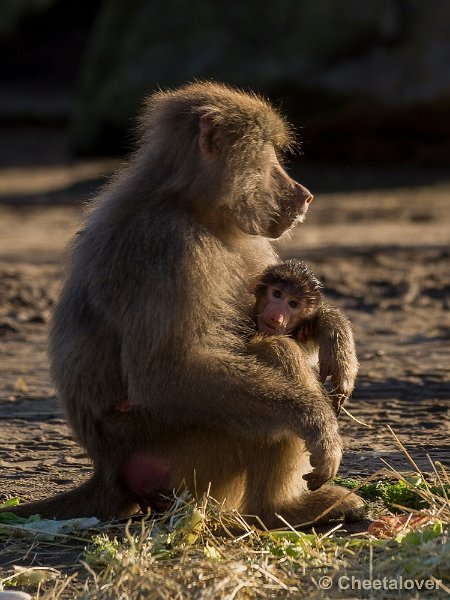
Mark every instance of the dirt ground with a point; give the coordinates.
(382, 253)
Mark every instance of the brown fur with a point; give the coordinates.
(332, 335)
(330, 332)
(152, 311)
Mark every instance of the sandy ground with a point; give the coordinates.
(383, 255)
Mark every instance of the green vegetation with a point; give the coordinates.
(404, 493)
(197, 549)
(9, 518)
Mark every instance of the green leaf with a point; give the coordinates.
(9, 503)
(9, 518)
(415, 538)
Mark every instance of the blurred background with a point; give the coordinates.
(365, 83)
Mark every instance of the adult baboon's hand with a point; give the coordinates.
(325, 459)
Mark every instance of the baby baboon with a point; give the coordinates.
(152, 311)
(289, 300)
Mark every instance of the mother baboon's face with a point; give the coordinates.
(291, 199)
(246, 182)
(277, 202)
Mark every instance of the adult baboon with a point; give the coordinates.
(152, 311)
(289, 301)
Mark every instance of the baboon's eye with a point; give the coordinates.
(294, 303)
(277, 293)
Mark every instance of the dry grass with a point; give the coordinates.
(198, 550)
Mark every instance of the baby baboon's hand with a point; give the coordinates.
(325, 460)
(342, 389)
(304, 331)
(337, 400)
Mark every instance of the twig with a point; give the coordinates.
(349, 414)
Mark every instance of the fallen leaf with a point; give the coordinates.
(33, 575)
(387, 527)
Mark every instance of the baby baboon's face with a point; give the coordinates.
(278, 312)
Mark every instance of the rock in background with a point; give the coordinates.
(367, 80)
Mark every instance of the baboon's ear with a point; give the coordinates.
(209, 142)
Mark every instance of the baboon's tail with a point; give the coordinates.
(91, 499)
